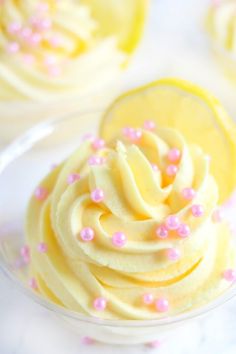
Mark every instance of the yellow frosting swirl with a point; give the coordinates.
(221, 24)
(137, 198)
(49, 50)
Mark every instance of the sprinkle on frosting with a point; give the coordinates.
(171, 170)
(42, 247)
(87, 234)
(97, 195)
(100, 304)
(33, 284)
(149, 125)
(148, 298)
(188, 193)
(174, 155)
(162, 304)
(230, 275)
(119, 239)
(183, 231)
(41, 193)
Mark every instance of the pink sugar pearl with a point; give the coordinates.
(135, 135)
(230, 275)
(33, 284)
(148, 298)
(127, 131)
(173, 254)
(25, 251)
(98, 144)
(25, 254)
(155, 344)
(87, 234)
(119, 239)
(14, 27)
(162, 232)
(100, 304)
(155, 167)
(54, 70)
(188, 193)
(172, 222)
(174, 155)
(13, 47)
(41, 193)
(95, 160)
(183, 231)
(149, 125)
(44, 24)
(171, 170)
(97, 195)
(73, 177)
(55, 41)
(197, 210)
(42, 247)
(87, 341)
(50, 60)
(28, 59)
(35, 39)
(217, 216)
(25, 33)
(162, 304)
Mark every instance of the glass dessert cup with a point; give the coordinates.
(22, 165)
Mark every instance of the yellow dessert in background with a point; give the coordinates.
(128, 227)
(221, 28)
(53, 51)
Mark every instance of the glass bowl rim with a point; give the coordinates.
(21, 145)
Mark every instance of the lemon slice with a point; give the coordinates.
(192, 111)
(122, 18)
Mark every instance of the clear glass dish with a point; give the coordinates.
(22, 166)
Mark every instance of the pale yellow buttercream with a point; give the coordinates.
(73, 273)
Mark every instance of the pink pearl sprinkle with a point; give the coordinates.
(41, 193)
(127, 131)
(98, 144)
(188, 193)
(162, 232)
(148, 299)
(35, 39)
(155, 167)
(33, 283)
(172, 222)
(73, 177)
(95, 160)
(217, 216)
(155, 344)
(230, 275)
(162, 305)
(149, 125)
(26, 33)
(135, 135)
(25, 254)
(14, 28)
(197, 210)
(44, 24)
(50, 60)
(119, 239)
(42, 247)
(13, 47)
(87, 341)
(183, 230)
(171, 170)
(97, 195)
(87, 234)
(25, 251)
(174, 155)
(54, 70)
(55, 41)
(28, 59)
(173, 254)
(100, 304)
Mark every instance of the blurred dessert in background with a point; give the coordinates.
(55, 54)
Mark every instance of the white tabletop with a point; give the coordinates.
(174, 45)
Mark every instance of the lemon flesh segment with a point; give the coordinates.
(189, 109)
(122, 18)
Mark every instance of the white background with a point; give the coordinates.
(174, 45)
